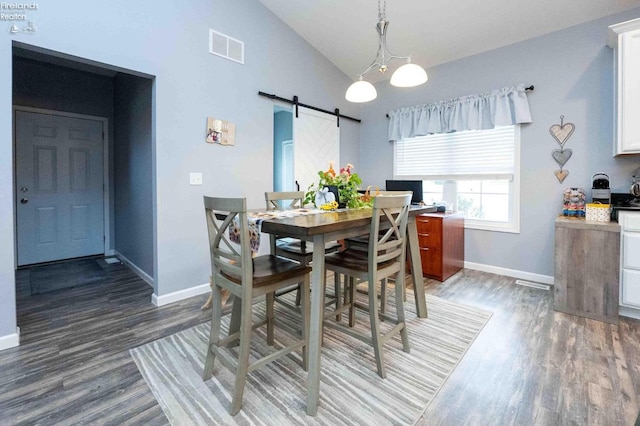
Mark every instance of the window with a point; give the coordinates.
(475, 171)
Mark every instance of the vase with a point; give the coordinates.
(334, 190)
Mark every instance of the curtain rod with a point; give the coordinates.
(526, 88)
(295, 102)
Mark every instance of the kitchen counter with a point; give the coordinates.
(581, 223)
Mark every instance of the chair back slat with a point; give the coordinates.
(284, 200)
(392, 211)
(228, 257)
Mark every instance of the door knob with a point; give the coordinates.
(24, 201)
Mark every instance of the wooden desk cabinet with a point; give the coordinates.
(441, 241)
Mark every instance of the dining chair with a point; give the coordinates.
(385, 258)
(246, 277)
(362, 243)
(291, 248)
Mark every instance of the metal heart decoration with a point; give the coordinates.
(561, 175)
(561, 156)
(562, 132)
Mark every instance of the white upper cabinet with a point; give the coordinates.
(624, 38)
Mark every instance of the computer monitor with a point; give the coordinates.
(407, 185)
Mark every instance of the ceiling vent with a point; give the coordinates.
(226, 47)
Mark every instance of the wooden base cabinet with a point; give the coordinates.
(587, 268)
(441, 240)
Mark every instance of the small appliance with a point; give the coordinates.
(635, 183)
(623, 201)
(600, 192)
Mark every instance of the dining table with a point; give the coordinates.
(331, 226)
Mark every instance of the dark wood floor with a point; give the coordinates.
(529, 365)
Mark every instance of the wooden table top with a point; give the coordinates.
(309, 225)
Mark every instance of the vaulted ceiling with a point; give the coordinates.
(435, 31)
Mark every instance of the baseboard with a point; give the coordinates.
(176, 296)
(11, 340)
(205, 288)
(139, 272)
(629, 312)
(539, 278)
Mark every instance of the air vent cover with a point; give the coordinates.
(226, 47)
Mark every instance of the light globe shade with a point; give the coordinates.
(361, 91)
(409, 75)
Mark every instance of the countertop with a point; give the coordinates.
(581, 223)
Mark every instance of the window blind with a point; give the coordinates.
(486, 154)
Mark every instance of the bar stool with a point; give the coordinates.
(247, 278)
(294, 249)
(384, 258)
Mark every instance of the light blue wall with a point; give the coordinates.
(572, 71)
(133, 180)
(7, 253)
(170, 41)
(283, 131)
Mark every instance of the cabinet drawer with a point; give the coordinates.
(428, 224)
(425, 239)
(631, 251)
(630, 221)
(630, 288)
(430, 255)
(431, 258)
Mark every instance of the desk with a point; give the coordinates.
(319, 229)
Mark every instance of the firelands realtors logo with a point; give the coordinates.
(17, 14)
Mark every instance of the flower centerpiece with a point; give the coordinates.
(346, 182)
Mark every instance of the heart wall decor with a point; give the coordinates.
(561, 156)
(561, 175)
(561, 132)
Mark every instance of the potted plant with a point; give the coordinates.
(344, 184)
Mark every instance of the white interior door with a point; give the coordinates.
(59, 187)
(316, 141)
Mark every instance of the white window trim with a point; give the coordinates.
(484, 225)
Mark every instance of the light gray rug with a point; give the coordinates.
(351, 390)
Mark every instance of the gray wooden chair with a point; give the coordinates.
(247, 278)
(362, 243)
(294, 249)
(384, 258)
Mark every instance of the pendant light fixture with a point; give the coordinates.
(408, 75)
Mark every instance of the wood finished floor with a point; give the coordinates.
(530, 365)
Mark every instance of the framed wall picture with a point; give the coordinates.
(220, 131)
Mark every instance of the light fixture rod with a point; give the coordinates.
(384, 55)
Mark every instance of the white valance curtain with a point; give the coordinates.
(502, 107)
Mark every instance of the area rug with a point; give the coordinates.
(351, 392)
(69, 274)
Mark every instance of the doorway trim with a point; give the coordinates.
(105, 177)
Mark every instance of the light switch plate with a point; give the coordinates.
(195, 178)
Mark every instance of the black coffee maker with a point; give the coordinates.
(600, 192)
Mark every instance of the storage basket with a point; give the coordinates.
(598, 212)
